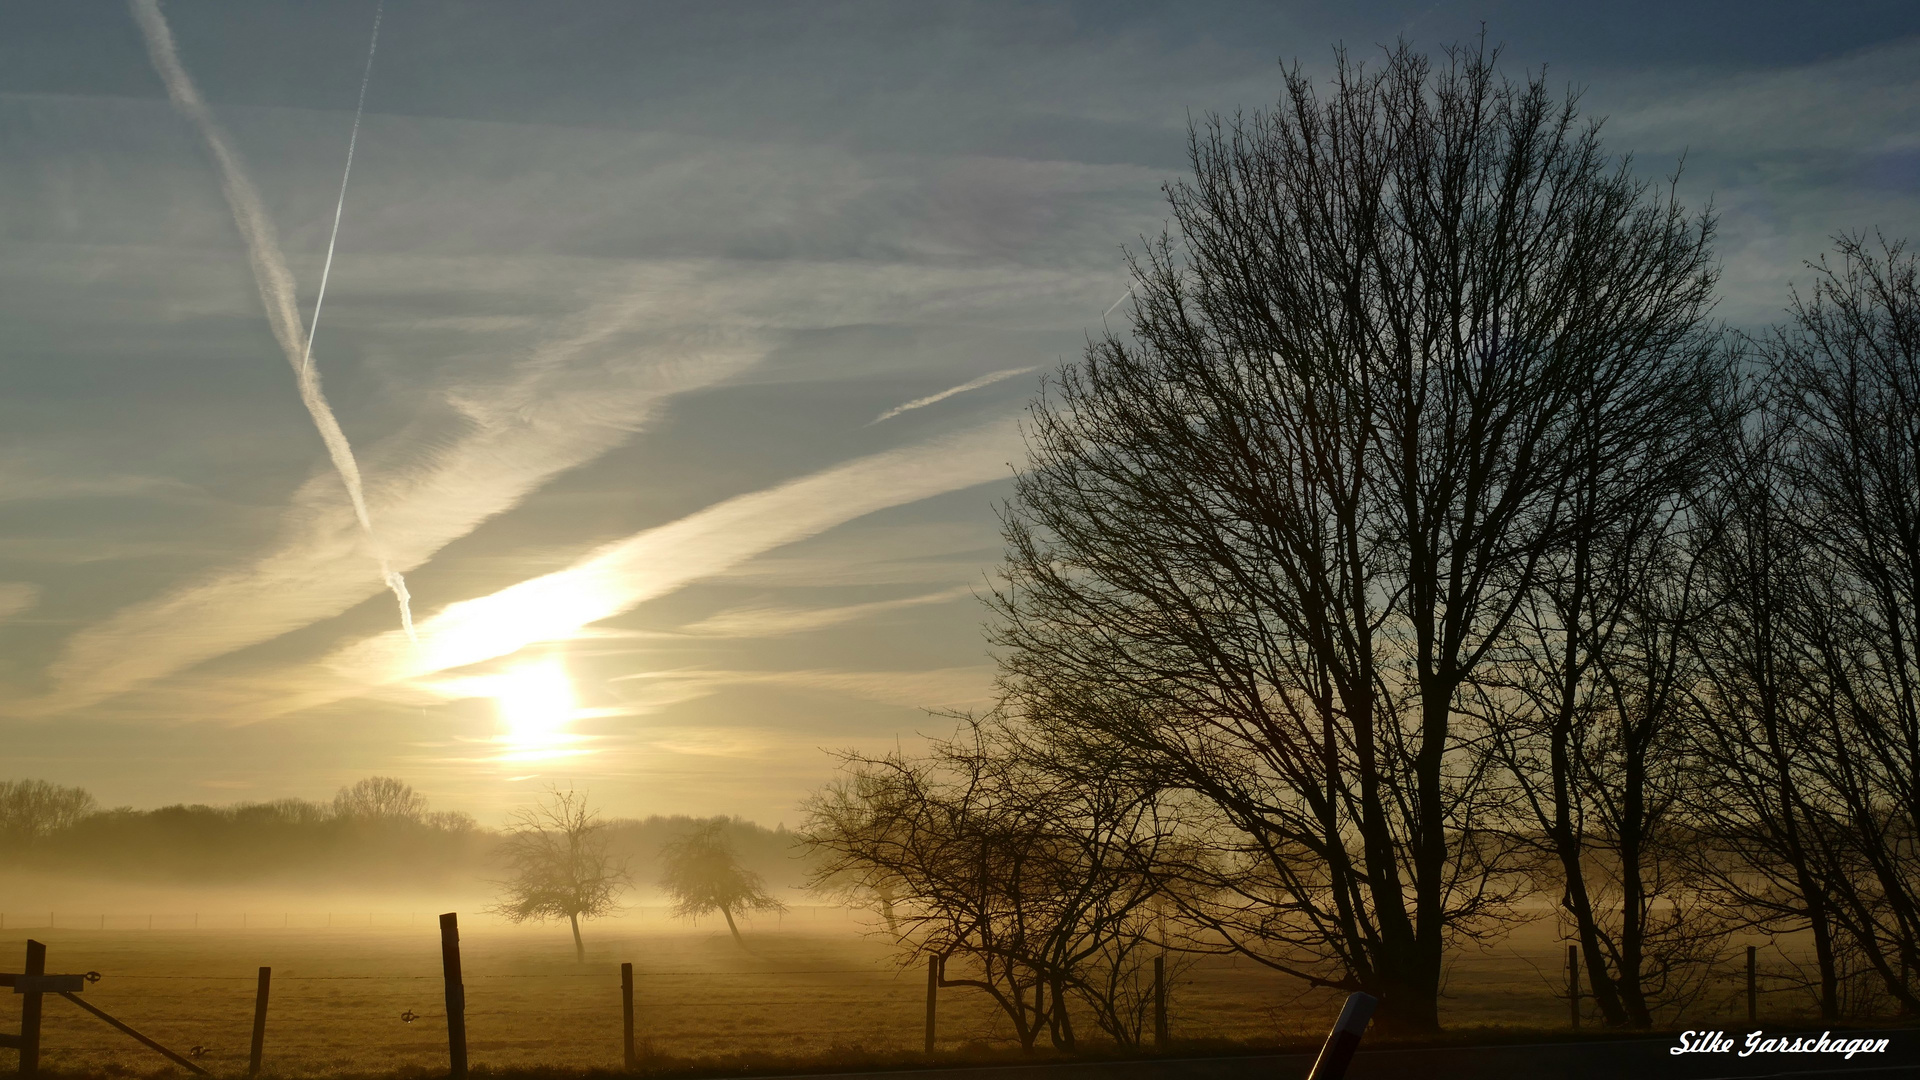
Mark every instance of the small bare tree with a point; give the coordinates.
(1032, 875)
(556, 852)
(703, 877)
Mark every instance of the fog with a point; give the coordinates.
(294, 862)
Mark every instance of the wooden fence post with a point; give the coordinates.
(30, 1004)
(626, 1013)
(933, 987)
(1160, 1001)
(1573, 985)
(456, 996)
(259, 1022)
(1753, 986)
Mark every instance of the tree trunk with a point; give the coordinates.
(579, 947)
(1634, 901)
(742, 942)
(1579, 904)
(1062, 1024)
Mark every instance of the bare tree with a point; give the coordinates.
(1283, 527)
(559, 865)
(32, 810)
(1589, 705)
(380, 798)
(1766, 835)
(703, 876)
(1021, 876)
(1847, 368)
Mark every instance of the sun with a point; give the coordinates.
(536, 703)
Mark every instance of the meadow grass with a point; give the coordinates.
(810, 991)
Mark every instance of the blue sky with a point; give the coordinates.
(621, 293)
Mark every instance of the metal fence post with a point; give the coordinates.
(456, 996)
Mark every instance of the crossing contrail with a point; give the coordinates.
(270, 272)
(921, 403)
(353, 137)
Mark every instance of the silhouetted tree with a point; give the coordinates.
(1025, 877)
(556, 852)
(32, 810)
(1264, 548)
(1767, 833)
(702, 876)
(1848, 364)
(380, 798)
(1808, 732)
(1590, 704)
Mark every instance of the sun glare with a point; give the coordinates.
(536, 704)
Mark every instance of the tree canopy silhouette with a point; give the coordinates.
(1266, 542)
(559, 864)
(702, 876)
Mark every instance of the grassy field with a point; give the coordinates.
(810, 988)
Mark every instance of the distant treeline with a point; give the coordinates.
(376, 833)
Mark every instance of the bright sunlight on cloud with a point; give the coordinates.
(558, 606)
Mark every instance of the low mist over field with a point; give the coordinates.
(297, 856)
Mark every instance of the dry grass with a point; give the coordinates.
(811, 991)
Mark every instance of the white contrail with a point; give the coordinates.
(353, 137)
(270, 271)
(921, 403)
(1116, 303)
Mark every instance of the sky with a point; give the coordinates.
(680, 348)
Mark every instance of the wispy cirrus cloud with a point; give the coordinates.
(23, 480)
(17, 597)
(573, 399)
(619, 576)
(934, 688)
(776, 621)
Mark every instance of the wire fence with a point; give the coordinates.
(375, 1001)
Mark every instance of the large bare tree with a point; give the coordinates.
(1847, 371)
(1767, 836)
(1266, 542)
(1589, 707)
